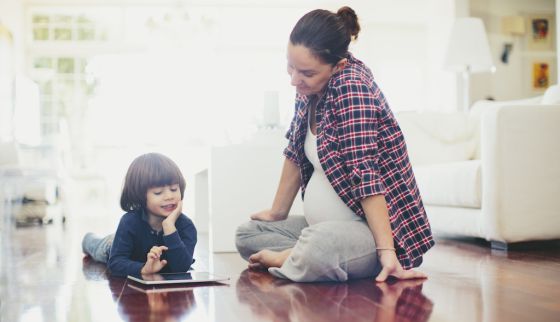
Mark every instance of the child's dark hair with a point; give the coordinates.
(327, 34)
(145, 172)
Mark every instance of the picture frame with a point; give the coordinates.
(540, 79)
(541, 73)
(540, 32)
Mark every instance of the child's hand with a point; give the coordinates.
(168, 223)
(154, 263)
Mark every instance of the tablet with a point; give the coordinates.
(148, 289)
(178, 278)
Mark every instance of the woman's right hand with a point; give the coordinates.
(269, 215)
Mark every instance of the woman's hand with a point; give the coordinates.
(269, 215)
(154, 263)
(392, 267)
(168, 224)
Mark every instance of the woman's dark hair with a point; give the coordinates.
(327, 34)
(148, 171)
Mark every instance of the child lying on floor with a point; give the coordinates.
(153, 236)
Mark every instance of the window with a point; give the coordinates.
(171, 69)
(68, 26)
(62, 42)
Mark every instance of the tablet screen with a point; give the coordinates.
(177, 278)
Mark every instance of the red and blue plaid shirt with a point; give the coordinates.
(363, 153)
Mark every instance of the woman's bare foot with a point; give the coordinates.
(268, 258)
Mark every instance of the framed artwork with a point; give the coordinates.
(540, 32)
(541, 73)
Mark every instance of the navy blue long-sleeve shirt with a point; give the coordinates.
(135, 237)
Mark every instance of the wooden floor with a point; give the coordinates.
(45, 277)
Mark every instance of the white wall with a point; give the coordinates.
(11, 15)
(512, 80)
(403, 41)
(11, 61)
(446, 89)
(404, 44)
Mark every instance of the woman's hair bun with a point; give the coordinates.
(348, 15)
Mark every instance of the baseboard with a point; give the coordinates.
(525, 245)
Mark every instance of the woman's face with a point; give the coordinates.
(309, 74)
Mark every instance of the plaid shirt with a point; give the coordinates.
(363, 153)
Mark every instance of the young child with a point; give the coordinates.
(153, 236)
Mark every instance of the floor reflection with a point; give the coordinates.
(143, 303)
(138, 303)
(276, 300)
(94, 271)
(34, 274)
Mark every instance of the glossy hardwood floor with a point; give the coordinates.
(45, 277)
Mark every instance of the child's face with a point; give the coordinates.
(161, 201)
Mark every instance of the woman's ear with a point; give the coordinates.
(340, 65)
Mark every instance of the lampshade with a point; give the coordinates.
(468, 48)
(514, 25)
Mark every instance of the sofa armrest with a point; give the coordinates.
(520, 152)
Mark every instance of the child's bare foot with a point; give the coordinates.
(268, 258)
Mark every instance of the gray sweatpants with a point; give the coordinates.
(99, 248)
(327, 251)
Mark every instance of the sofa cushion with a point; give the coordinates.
(454, 184)
(433, 137)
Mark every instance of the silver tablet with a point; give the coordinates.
(178, 278)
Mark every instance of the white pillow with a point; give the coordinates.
(435, 137)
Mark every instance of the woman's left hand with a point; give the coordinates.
(392, 267)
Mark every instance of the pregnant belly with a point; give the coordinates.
(322, 203)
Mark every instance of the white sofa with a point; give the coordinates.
(492, 173)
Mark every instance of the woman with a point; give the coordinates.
(363, 213)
